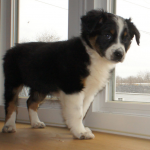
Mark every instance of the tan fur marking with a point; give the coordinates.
(12, 106)
(112, 31)
(83, 81)
(125, 33)
(39, 99)
(93, 42)
(18, 89)
(101, 20)
(34, 106)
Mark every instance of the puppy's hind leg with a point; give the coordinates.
(73, 114)
(33, 103)
(11, 100)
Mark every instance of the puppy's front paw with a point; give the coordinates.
(87, 135)
(9, 129)
(38, 125)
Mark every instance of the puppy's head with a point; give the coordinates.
(108, 34)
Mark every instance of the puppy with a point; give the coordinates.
(76, 70)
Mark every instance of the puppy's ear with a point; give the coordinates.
(133, 31)
(91, 20)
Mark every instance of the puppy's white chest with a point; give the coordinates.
(99, 73)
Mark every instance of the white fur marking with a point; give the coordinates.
(99, 74)
(35, 121)
(120, 23)
(10, 125)
(75, 105)
(73, 114)
(118, 46)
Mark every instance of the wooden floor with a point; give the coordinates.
(52, 138)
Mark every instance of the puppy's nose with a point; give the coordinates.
(118, 55)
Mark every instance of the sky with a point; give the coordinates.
(43, 16)
(51, 16)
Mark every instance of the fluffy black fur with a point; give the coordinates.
(47, 67)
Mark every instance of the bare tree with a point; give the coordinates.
(147, 77)
(24, 40)
(47, 37)
(44, 37)
(119, 80)
(141, 77)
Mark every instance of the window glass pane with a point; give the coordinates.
(42, 20)
(133, 75)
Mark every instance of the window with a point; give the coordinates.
(38, 21)
(130, 85)
(72, 28)
(42, 21)
(114, 113)
(133, 75)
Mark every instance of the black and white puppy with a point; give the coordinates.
(75, 70)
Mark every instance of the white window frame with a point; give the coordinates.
(78, 8)
(8, 36)
(9, 21)
(125, 118)
(4, 38)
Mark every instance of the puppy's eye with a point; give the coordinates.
(125, 39)
(107, 36)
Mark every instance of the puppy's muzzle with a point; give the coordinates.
(118, 55)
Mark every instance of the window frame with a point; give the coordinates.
(8, 36)
(5, 40)
(80, 6)
(109, 103)
(123, 118)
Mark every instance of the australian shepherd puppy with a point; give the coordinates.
(75, 70)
